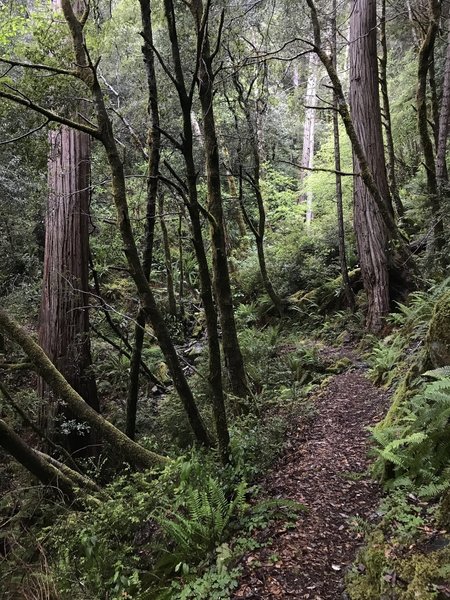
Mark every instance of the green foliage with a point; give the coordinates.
(417, 445)
(202, 524)
(384, 360)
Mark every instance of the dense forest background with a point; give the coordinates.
(210, 211)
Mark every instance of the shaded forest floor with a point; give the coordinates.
(324, 466)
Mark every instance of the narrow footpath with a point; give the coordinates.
(325, 467)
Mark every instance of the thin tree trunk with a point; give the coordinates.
(387, 114)
(215, 367)
(154, 144)
(258, 230)
(232, 353)
(307, 160)
(425, 54)
(337, 165)
(167, 258)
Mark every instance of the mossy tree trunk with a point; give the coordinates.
(194, 210)
(128, 450)
(425, 55)
(234, 361)
(154, 145)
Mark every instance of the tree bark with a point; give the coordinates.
(307, 160)
(387, 114)
(64, 313)
(232, 353)
(425, 54)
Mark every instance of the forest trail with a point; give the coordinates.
(325, 467)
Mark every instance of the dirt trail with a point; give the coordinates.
(320, 468)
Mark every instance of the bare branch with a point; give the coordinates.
(39, 67)
(51, 116)
(21, 137)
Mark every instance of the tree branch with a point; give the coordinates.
(51, 116)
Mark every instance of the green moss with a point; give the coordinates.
(381, 575)
(366, 582)
(438, 340)
(341, 365)
(422, 572)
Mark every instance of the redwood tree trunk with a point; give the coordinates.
(371, 232)
(64, 315)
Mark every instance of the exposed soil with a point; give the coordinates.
(324, 467)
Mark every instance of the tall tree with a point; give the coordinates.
(426, 52)
(337, 165)
(372, 235)
(222, 285)
(309, 127)
(385, 260)
(154, 144)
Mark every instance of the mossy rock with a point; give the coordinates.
(438, 340)
(384, 576)
(422, 574)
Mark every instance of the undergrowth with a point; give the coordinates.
(406, 554)
(176, 533)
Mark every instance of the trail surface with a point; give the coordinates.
(325, 467)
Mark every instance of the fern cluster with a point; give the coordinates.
(202, 522)
(416, 448)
